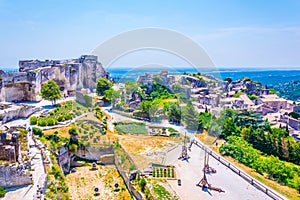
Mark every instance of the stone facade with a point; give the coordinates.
(63, 159)
(70, 75)
(273, 101)
(13, 176)
(9, 146)
(10, 111)
(294, 123)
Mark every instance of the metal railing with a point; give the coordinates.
(236, 170)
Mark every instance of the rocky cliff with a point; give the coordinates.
(70, 75)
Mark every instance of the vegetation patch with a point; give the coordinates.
(91, 133)
(2, 191)
(123, 158)
(131, 128)
(57, 187)
(64, 111)
(281, 171)
(163, 172)
(161, 193)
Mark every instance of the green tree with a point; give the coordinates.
(229, 128)
(37, 131)
(102, 85)
(229, 80)
(173, 112)
(143, 109)
(142, 184)
(190, 117)
(214, 129)
(2, 191)
(131, 87)
(73, 130)
(108, 94)
(205, 119)
(50, 91)
(154, 110)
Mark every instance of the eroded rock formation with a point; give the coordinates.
(70, 75)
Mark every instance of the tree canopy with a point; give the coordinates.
(102, 85)
(50, 91)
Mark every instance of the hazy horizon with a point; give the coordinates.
(233, 33)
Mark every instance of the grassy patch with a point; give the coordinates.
(57, 185)
(161, 193)
(64, 111)
(123, 158)
(131, 128)
(91, 133)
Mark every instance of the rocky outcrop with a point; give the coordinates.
(13, 176)
(70, 75)
(10, 112)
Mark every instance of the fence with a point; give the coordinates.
(236, 170)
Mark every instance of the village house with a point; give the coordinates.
(274, 101)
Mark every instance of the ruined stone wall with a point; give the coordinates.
(21, 86)
(12, 177)
(18, 112)
(64, 160)
(70, 75)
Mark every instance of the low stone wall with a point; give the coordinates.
(108, 159)
(18, 112)
(12, 177)
(93, 153)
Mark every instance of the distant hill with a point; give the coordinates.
(289, 90)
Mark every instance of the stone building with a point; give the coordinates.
(294, 123)
(9, 146)
(70, 75)
(10, 111)
(274, 101)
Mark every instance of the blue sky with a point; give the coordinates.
(235, 33)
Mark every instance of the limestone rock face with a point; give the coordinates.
(12, 177)
(70, 75)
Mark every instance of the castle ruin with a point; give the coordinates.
(70, 75)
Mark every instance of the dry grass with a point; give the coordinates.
(90, 116)
(139, 147)
(83, 182)
(210, 140)
(62, 131)
(142, 144)
(170, 100)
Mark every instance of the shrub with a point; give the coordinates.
(2, 191)
(73, 147)
(72, 130)
(142, 184)
(172, 130)
(37, 131)
(42, 122)
(33, 120)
